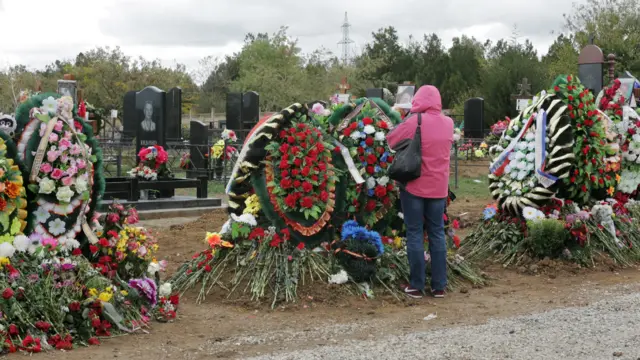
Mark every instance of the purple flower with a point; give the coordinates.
(146, 287)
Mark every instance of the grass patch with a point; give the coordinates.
(471, 187)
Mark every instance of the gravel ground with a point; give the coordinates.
(608, 329)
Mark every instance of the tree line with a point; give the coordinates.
(274, 66)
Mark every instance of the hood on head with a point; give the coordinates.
(426, 99)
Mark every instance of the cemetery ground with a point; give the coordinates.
(330, 321)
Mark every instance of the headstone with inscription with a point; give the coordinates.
(129, 115)
(233, 111)
(150, 106)
(174, 114)
(591, 68)
(374, 93)
(250, 114)
(474, 118)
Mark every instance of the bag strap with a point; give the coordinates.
(419, 119)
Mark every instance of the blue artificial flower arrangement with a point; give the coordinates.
(351, 230)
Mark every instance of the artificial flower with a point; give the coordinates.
(64, 194)
(57, 227)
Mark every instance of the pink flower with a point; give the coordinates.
(57, 174)
(65, 144)
(64, 158)
(113, 218)
(51, 242)
(53, 138)
(75, 149)
(81, 164)
(67, 181)
(52, 155)
(142, 251)
(58, 126)
(72, 170)
(46, 168)
(133, 217)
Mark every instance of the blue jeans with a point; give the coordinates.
(419, 212)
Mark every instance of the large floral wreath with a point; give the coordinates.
(13, 200)
(61, 170)
(363, 132)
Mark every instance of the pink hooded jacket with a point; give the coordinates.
(437, 138)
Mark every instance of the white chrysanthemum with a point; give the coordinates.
(516, 128)
(339, 278)
(152, 269)
(21, 243)
(530, 136)
(529, 213)
(383, 181)
(508, 168)
(531, 157)
(522, 165)
(531, 146)
(522, 146)
(355, 135)
(248, 219)
(520, 155)
(165, 289)
(530, 167)
(512, 156)
(636, 137)
(513, 174)
(500, 185)
(521, 175)
(379, 136)
(369, 129)
(7, 250)
(371, 182)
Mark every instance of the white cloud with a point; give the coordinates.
(187, 30)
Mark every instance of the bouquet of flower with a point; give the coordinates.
(185, 161)
(153, 163)
(220, 150)
(357, 250)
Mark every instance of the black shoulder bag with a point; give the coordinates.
(407, 164)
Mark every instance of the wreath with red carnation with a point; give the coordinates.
(590, 176)
(301, 177)
(363, 132)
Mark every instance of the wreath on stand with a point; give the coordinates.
(65, 175)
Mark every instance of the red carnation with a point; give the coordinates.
(305, 171)
(291, 139)
(74, 306)
(347, 132)
(13, 330)
(76, 252)
(601, 181)
(284, 164)
(573, 179)
(7, 293)
(367, 121)
(584, 188)
(314, 177)
(369, 141)
(306, 202)
(290, 200)
(570, 98)
(382, 125)
(556, 88)
(93, 249)
(300, 246)
(43, 326)
(371, 205)
(284, 148)
(322, 167)
(307, 187)
(286, 183)
(353, 126)
(569, 78)
(297, 162)
(93, 341)
(370, 170)
(380, 191)
(283, 134)
(390, 159)
(285, 173)
(632, 131)
(360, 150)
(297, 184)
(371, 159)
(295, 172)
(380, 150)
(593, 178)
(389, 187)
(324, 196)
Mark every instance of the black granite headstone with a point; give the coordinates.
(174, 114)
(150, 104)
(199, 141)
(474, 118)
(129, 115)
(250, 114)
(591, 76)
(233, 111)
(375, 93)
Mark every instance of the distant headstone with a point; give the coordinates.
(174, 114)
(474, 118)
(591, 68)
(374, 93)
(250, 109)
(68, 88)
(199, 141)
(233, 111)
(129, 115)
(150, 105)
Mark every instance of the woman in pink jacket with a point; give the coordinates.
(424, 199)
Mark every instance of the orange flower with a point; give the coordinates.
(213, 239)
(12, 189)
(226, 244)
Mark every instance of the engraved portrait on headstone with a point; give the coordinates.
(148, 124)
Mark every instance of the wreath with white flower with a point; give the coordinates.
(535, 152)
(61, 164)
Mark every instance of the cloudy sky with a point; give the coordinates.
(37, 32)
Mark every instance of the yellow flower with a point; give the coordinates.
(617, 177)
(105, 296)
(213, 239)
(124, 292)
(252, 205)
(611, 190)
(226, 244)
(93, 292)
(217, 149)
(4, 261)
(397, 242)
(483, 145)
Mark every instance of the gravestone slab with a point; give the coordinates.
(591, 76)
(474, 118)
(174, 114)
(199, 141)
(129, 115)
(150, 106)
(233, 111)
(250, 114)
